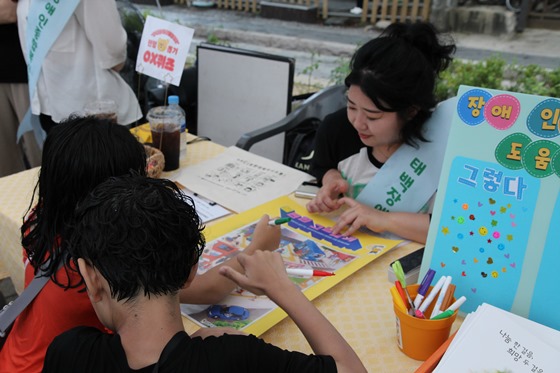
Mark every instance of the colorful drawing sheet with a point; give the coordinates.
(307, 242)
(494, 223)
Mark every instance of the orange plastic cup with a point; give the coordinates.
(420, 338)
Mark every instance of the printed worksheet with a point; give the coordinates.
(240, 180)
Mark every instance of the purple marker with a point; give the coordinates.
(424, 286)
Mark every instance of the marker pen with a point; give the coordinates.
(426, 303)
(397, 298)
(400, 290)
(424, 286)
(399, 272)
(439, 301)
(450, 310)
(279, 221)
(307, 273)
(443, 315)
(457, 304)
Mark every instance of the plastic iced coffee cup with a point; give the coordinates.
(165, 125)
(103, 109)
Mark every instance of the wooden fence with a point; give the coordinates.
(373, 10)
(395, 10)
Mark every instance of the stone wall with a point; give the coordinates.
(477, 19)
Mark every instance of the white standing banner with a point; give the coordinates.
(163, 50)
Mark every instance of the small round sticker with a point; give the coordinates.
(471, 106)
(502, 111)
(537, 158)
(509, 150)
(544, 119)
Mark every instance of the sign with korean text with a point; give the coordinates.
(163, 50)
(494, 223)
(45, 21)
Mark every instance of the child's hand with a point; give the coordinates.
(327, 198)
(265, 237)
(264, 273)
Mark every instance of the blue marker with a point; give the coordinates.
(424, 286)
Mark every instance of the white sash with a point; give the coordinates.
(45, 21)
(410, 177)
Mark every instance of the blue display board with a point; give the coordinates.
(495, 223)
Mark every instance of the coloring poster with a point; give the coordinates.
(305, 243)
(493, 228)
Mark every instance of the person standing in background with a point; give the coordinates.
(14, 98)
(358, 8)
(82, 64)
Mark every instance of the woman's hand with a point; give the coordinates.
(357, 216)
(408, 225)
(327, 198)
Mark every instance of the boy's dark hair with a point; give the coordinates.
(79, 153)
(398, 70)
(142, 235)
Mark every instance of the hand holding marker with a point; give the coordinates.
(279, 221)
(299, 272)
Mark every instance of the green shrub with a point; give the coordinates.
(340, 72)
(487, 74)
(495, 73)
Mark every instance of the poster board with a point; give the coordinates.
(494, 223)
(306, 242)
(241, 90)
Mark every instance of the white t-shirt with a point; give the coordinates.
(77, 69)
(357, 170)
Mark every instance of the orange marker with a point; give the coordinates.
(402, 294)
(448, 296)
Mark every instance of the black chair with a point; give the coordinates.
(319, 105)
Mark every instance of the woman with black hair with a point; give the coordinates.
(391, 95)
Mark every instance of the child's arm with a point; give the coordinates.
(408, 225)
(211, 287)
(265, 274)
(327, 198)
